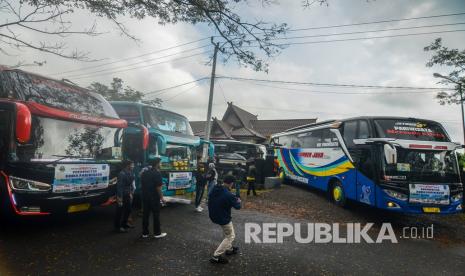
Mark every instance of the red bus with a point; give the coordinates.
(59, 146)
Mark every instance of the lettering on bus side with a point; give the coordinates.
(298, 178)
(311, 154)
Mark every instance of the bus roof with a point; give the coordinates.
(59, 94)
(328, 123)
(144, 105)
(65, 82)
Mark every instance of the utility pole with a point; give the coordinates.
(210, 99)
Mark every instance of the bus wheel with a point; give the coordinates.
(337, 194)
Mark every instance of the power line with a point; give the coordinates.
(128, 58)
(357, 38)
(370, 31)
(182, 92)
(348, 93)
(375, 22)
(145, 66)
(175, 86)
(139, 62)
(333, 84)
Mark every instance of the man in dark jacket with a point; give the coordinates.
(220, 202)
(124, 193)
(151, 183)
(200, 185)
(240, 174)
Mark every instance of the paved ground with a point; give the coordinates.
(84, 244)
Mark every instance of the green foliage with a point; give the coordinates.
(455, 60)
(461, 158)
(117, 92)
(249, 42)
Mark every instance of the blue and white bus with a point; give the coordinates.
(401, 164)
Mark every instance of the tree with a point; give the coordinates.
(117, 92)
(238, 38)
(453, 58)
(46, 18)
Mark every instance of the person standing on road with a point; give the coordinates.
(212, 177)
(151, 183)
(220, 202)
(124, 194)
(200, 185)
(239, 173)
(251, 179)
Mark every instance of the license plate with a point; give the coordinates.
(431, 210)
(180, 192)
(78, 208)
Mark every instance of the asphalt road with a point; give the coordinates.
(84, 244)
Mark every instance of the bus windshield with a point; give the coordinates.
(167, 121)
(423, 166)
(129, 113)
(410, 130)
(55, 139)
(29, 87)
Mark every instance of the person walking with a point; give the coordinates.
(124, 194)
(212, 177)
(239, 174)
(220, 202)
(200, 185)
(151, 183)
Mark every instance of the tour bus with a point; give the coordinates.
(165, 135)
(401, 164)
(59, 146)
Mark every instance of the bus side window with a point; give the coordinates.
(296, 141)
(329, 139)
(350, 132)
(363, 130)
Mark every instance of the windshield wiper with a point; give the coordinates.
(62, 157)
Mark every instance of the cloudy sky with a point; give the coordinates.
(395, 61)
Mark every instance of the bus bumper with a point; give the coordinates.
(384, 201)
(46, 204)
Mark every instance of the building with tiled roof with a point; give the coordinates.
(239, 124)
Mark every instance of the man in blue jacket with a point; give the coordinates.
(220, 202)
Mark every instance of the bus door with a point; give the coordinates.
(360, 186)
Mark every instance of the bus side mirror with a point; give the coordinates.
(390, 153)
(161, 144)
(23, 123)
(145, 138)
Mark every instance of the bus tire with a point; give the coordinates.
(337, 194)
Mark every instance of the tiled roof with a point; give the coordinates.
(242, 114)
(198, 127)
(252, 127)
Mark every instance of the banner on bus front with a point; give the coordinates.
(80, 177)
(179, 180)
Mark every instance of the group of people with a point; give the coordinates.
(151, 195)
(220, 202)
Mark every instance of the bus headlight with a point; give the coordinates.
(457, 197)
(396, 195)
(22, 184)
